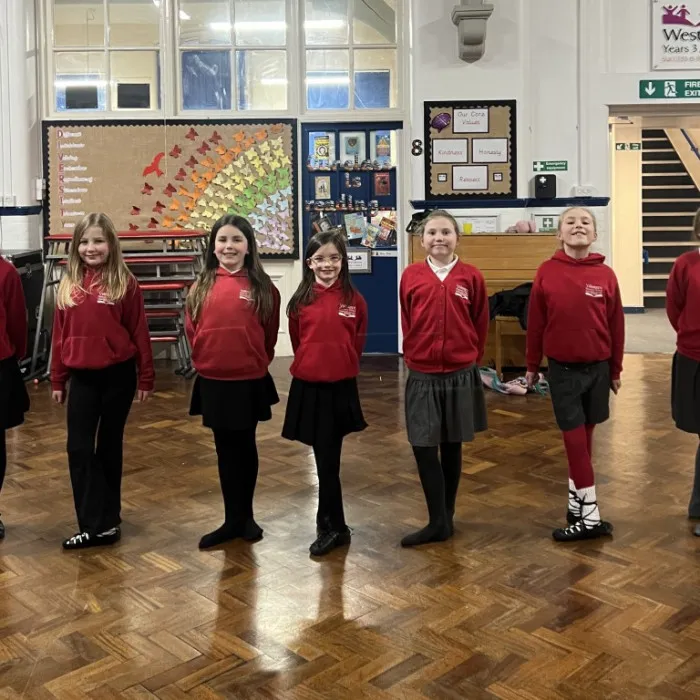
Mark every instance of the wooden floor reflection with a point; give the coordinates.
(501, 611)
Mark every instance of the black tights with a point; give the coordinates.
(3, 458)
(330, 514)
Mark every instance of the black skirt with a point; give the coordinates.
(318, 409)
(685, 394)
(233, 405)
(14, 399)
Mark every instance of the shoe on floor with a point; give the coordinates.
(252, 532)
(581, 531)
(329, 540)
(83, 540)
(696, 532)
(572, 518)
(2, 530)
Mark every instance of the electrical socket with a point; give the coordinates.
(584, 191)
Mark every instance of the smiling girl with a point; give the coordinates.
(445, 320)
(233, 314)
(100, 341)
(576, 320)
(327, 327)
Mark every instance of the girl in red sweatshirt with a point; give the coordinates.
(233, 316)
(14, 400)
(576, 320)
(100, 341)
(327, 327)
(683, 309)
(445, 320)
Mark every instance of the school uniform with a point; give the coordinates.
(231, 352)
(14, 399)
(576, 320)
(102, 347)
(445, 318)
(328, 338)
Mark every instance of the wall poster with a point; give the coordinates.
(470, 150)
(175, 174)
(674, 35)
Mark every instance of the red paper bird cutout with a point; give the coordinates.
(135, 211)
(154, 167)
(191, 162)
(192, 135)
(215, 138)
(175, 153)
(133, 227)
(147, 189)
(204, 148)
(158, 209)
(170, 190)
(181, 174)
(153, 223)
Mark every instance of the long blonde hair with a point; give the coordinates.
(114, 277)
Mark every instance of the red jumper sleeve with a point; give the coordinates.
(59, 372)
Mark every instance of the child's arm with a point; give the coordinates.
(616, 324)
(59, 372)
(190, 325)
(272, 326)
(536, 323)
(294, 333)
(134, 320)
(405, 301)
(479, 310)
(16, 313)
(361, 319)
(676, 291)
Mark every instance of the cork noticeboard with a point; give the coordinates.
(175, 174)
(470, 150)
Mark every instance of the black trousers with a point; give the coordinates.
(99, 402)
(3, 458)
(237, 455)
(330, 514)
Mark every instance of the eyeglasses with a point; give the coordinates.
(333, 259)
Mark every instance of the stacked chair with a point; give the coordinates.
(165, 264)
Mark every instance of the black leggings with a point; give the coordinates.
(99, 402)
(330, 514)
(3, 458)
(439, 476)
(237, 456)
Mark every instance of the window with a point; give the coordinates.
(351, 62)
(106, 55)
(233, 54)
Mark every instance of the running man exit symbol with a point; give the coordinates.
(670, 88)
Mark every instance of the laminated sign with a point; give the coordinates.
(675, 40)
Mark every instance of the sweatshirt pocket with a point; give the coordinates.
(226, 351)
(87, 352)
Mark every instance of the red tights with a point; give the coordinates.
(579, 450)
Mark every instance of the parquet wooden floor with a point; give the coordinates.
(501, 611)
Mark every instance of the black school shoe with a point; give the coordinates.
(581, 531)
(2, 530)
(329, 540)
(83, 540)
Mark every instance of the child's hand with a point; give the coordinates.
(58, 396)
(143, 395)
(530, 378)
(615, 385)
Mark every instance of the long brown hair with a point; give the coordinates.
(696, 224)
(435, 214)
(305, 292)
(114, 276)
(260, 282)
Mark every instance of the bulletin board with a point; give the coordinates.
(470, 150)
(175, 174)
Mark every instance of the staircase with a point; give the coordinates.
(669, 202)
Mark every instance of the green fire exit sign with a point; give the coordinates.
(669, 89)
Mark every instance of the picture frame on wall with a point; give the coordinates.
(360, 261)
(353, 147)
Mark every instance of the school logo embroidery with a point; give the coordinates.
(462, 292)
(593, 290)
(102, 299)
(347, 311)
(246, 295)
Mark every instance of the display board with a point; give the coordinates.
(470, 150)
(175, 174)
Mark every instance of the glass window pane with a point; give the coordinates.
(374, 23)
(76, 24)
(262, 79)
(326, 21)
(135, 79)
(375, 78)
(206, 79)
(134, 22)
(328, 79)
(260, 22)
(80, 81)
(204, 22)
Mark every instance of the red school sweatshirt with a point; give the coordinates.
(328, 336)
(445, 324)
(97, 333)
(228, 341)
(683, 303)
(13, 313)
(576, 313)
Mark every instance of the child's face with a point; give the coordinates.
(440, 239)
(577, 229)
(93, 247)
(326, 264)
(230, 247)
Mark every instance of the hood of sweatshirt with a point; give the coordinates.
(592, 259)
(221, 271)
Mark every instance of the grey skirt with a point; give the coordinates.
(685, 394)
(444, 407)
